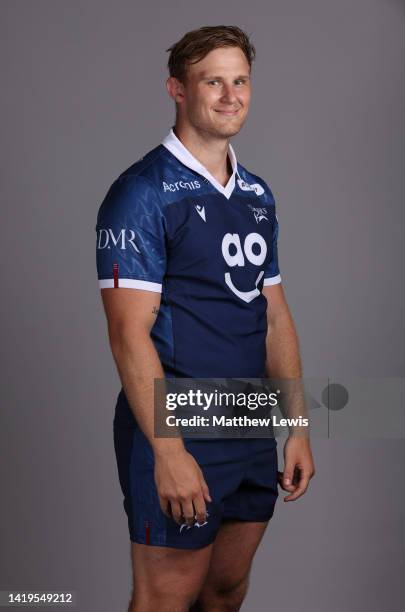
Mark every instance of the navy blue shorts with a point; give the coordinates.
(241, 475)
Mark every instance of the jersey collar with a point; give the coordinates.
(175, 146)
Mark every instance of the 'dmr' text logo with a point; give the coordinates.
(237, 258)
(106, 237)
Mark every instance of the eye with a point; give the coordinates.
(213, 81)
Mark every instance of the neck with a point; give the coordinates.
(211, 152)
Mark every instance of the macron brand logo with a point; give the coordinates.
(201, 211)
(124, 237)
(258, 189)
(190, 185)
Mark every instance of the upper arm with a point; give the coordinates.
(272, 287)
(276, 301)
(131, 254)
(272, 272)
(129, 310)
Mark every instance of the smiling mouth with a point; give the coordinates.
(227, 113)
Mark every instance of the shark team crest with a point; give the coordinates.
(260, 214)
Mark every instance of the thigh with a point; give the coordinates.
(233, 552)
(161, 571)
(148, 525)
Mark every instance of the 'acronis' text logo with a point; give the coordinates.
(181, 185)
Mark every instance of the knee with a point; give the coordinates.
(224, 595)
(181, 602)
(163, 596)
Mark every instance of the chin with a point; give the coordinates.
(230, 130)
(226, 131)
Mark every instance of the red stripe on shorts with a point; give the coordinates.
(115, 275)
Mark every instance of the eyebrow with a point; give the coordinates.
(204, 77)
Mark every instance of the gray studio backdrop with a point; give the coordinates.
(83, 97)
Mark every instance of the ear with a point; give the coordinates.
(175, 89)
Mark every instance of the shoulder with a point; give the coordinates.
(136, 189)
(148, 167)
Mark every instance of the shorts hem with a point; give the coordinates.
(164, 543)
(249, 519)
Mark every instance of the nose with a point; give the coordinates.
(228, 94)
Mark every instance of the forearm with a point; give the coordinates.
(284, 363)
(138, 364)
(282, 348)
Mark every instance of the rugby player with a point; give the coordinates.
(191, 286)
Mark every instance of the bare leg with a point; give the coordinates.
(227, 580)
(167, 579)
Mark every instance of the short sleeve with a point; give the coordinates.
(131, 237)
(272, 272)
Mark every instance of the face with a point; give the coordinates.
(215, 98)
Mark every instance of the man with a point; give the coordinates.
(188, 271)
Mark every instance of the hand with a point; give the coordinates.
(181, 487)
(298, 467)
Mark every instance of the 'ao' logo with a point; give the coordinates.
(237, 258)
(106, 237)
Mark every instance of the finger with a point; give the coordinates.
(296, 476)
(286, 479)
(188, 512)
(205, 490)
(200, 509)
(288, 474)
(300, 490)
(165, 507)
(176, 511)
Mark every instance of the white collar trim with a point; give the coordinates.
(175, 146)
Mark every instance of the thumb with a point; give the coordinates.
(288, 475)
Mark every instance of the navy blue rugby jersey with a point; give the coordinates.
(167, 225)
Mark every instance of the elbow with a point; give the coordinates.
(281, 320)
(123, 337)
